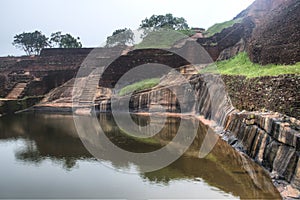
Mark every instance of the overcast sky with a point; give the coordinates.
(94, 20)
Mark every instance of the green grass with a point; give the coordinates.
(162, 39)
(241, 65)
(141, 85)
(217, 28)
(187, 32)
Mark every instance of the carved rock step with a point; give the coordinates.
(16, 91)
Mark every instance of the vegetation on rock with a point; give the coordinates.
(241, 65)
(164, 38)
(217, 28)
(141, 85)
(153, 34)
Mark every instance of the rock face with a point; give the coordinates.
(277, 39)
(138, 57)
(209, 98)
(259, 9)
(269, 32)
(270, 139)
(229, 41)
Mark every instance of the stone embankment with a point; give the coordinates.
(273, 141)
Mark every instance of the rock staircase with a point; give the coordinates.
(88, 94)
(16, 91)
(189, 70)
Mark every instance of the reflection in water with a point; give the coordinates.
(46, 136)
(53, 137)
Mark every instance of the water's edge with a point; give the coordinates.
(271, 139)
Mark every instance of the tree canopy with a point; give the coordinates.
(64, 41)
(165, 21)
(125, 36)
(31, 42)
(120, 37)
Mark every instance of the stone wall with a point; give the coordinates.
(275, 93)
(65, 52)
(41, 73)
(2, 84)
(51, 80)
(138, 57)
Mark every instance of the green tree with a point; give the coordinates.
(64, 41)
(31, 42)
(55, 39)
(165, 21)
(120, 37)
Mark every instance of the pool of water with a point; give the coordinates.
(42, 156)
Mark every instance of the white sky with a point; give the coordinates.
(94, 20)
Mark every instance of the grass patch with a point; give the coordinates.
(217, 28)
(162, 38)
(141, 85)
(187, 32)
(241, 65)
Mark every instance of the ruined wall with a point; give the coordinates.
(2, 84)
(65, 51)
(6, 62)
(124, 63)
(49, 81)
(41, 73)
(275, 93)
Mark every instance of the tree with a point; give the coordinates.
(64, 41)
(165, 21)
(120, 37)
(55, 39)
(31, 42)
